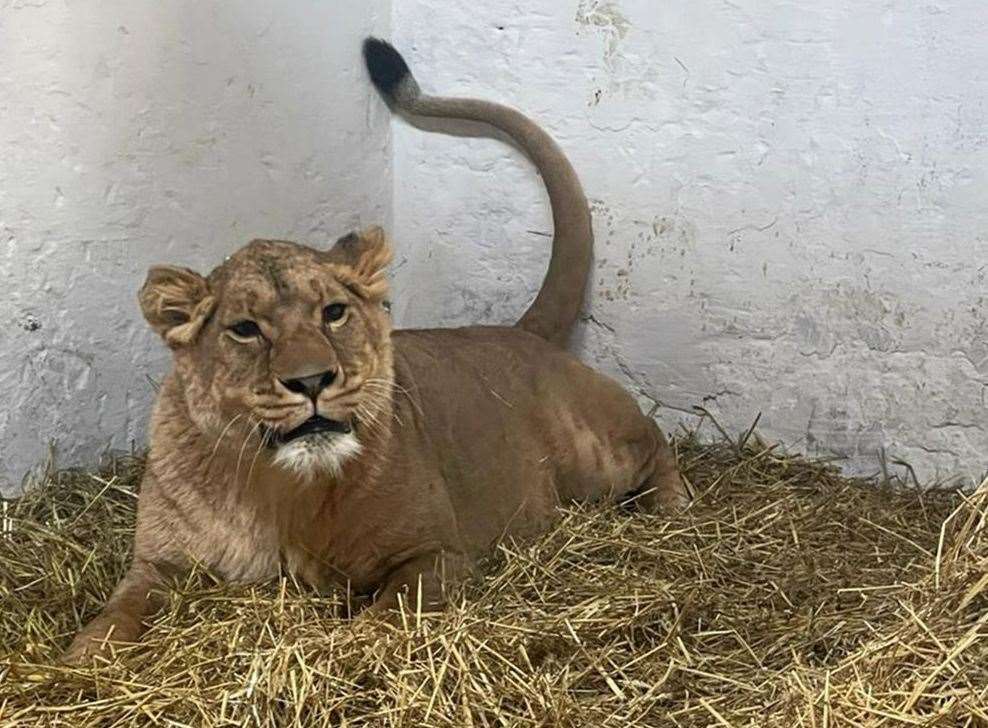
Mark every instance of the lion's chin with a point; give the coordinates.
(320, 453)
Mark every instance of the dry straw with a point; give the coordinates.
(787, 596)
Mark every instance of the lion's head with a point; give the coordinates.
(283, 345)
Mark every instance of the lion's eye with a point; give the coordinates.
(334, 312)
(245, 330)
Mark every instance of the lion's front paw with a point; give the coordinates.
(98, 636)
(85, 645)
(668, 495)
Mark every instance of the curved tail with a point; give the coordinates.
(558, 302)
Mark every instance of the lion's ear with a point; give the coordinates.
(366, 254)
(176, 302)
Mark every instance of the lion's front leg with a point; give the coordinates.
(137, 596)
(421, 582)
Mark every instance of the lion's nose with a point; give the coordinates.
(310, 385)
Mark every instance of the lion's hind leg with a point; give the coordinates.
(660, 488)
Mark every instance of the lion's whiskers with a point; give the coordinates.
(222, 435)
(368, 416)
(391, 386)
(385, 384)
(249, 434)
(260, 446)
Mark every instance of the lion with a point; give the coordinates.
(296, 430)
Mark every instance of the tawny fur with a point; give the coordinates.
(461, 437)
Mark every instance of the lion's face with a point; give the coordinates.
(282, 349)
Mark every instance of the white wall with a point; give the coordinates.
(133, 133)
(790, 200)
(790, 205)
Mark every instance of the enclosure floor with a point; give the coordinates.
(786, 596)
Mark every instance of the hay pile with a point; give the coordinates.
(789, 596)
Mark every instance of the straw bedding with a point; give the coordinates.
(787, 596)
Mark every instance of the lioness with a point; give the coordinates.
(297, 429)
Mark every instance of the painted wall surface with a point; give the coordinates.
(134, 133)
(790, 204)
(789, 200)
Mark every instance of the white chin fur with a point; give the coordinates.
(320, 454)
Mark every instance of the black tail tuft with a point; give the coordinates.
(386, 66)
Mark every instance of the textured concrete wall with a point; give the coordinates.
(789, 200)
(140, 132)
(790, 206)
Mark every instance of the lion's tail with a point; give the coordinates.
(558, 302)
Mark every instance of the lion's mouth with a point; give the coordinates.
(313, 425)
